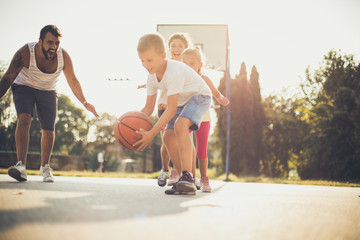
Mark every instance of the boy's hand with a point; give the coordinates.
(145, 141)
(222, 100)
(161, 106)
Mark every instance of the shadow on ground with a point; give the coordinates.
(86, 200)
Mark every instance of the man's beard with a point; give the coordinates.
(47, 53)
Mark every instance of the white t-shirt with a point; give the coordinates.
(178, 79)
(163, 98)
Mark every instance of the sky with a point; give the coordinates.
(280, 37)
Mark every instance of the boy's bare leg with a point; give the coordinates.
(172, 147)
(185, 144)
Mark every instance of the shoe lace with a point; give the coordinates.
(205, 181)
(163, 174)
(47, 171)
(19, 163)
(187, 177)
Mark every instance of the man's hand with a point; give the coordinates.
(90, 108)
(145, 141)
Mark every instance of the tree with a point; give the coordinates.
(244, 118)
(284, 135)
(333, 143)
(7, 118)
(5, 104)
(242, 151)
(71, 128)
(259, 121)
(104, 128)
(220, 140)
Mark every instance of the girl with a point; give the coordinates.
(193, 57)
(177, 43)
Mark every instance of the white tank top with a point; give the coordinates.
(35, 78)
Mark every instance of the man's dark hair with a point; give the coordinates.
(52, 29)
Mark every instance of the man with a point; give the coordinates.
(33, 74)
(100, 158)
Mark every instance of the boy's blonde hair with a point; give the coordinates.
(151, 41)
(181, 36)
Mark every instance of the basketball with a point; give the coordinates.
(126, 126)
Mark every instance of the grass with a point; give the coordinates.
(211, 173)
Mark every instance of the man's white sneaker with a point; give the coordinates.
(46, 172)
(163, 176)
(197, 183)
(18, 171)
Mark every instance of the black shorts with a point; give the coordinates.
(160, 112)
(25, 98)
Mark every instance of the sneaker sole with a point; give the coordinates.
(162, 184)
(48, 180)
(14, 173)
(179, 193)
(185, 187)
(206, 190)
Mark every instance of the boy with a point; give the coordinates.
(188, 98)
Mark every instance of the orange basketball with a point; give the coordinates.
(126, 126)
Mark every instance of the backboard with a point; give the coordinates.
(212, 39)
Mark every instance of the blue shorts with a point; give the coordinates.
(26, 98)
(194, 110)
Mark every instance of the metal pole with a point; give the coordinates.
(228, 116)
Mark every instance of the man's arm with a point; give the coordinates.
(75, 84)
(14, 69)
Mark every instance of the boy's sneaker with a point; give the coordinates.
(163, 176)
(46, 172)
(186, 182)
(205, 186)
(174, 177)
(197, 183)
(175, 191)
(18, 171)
